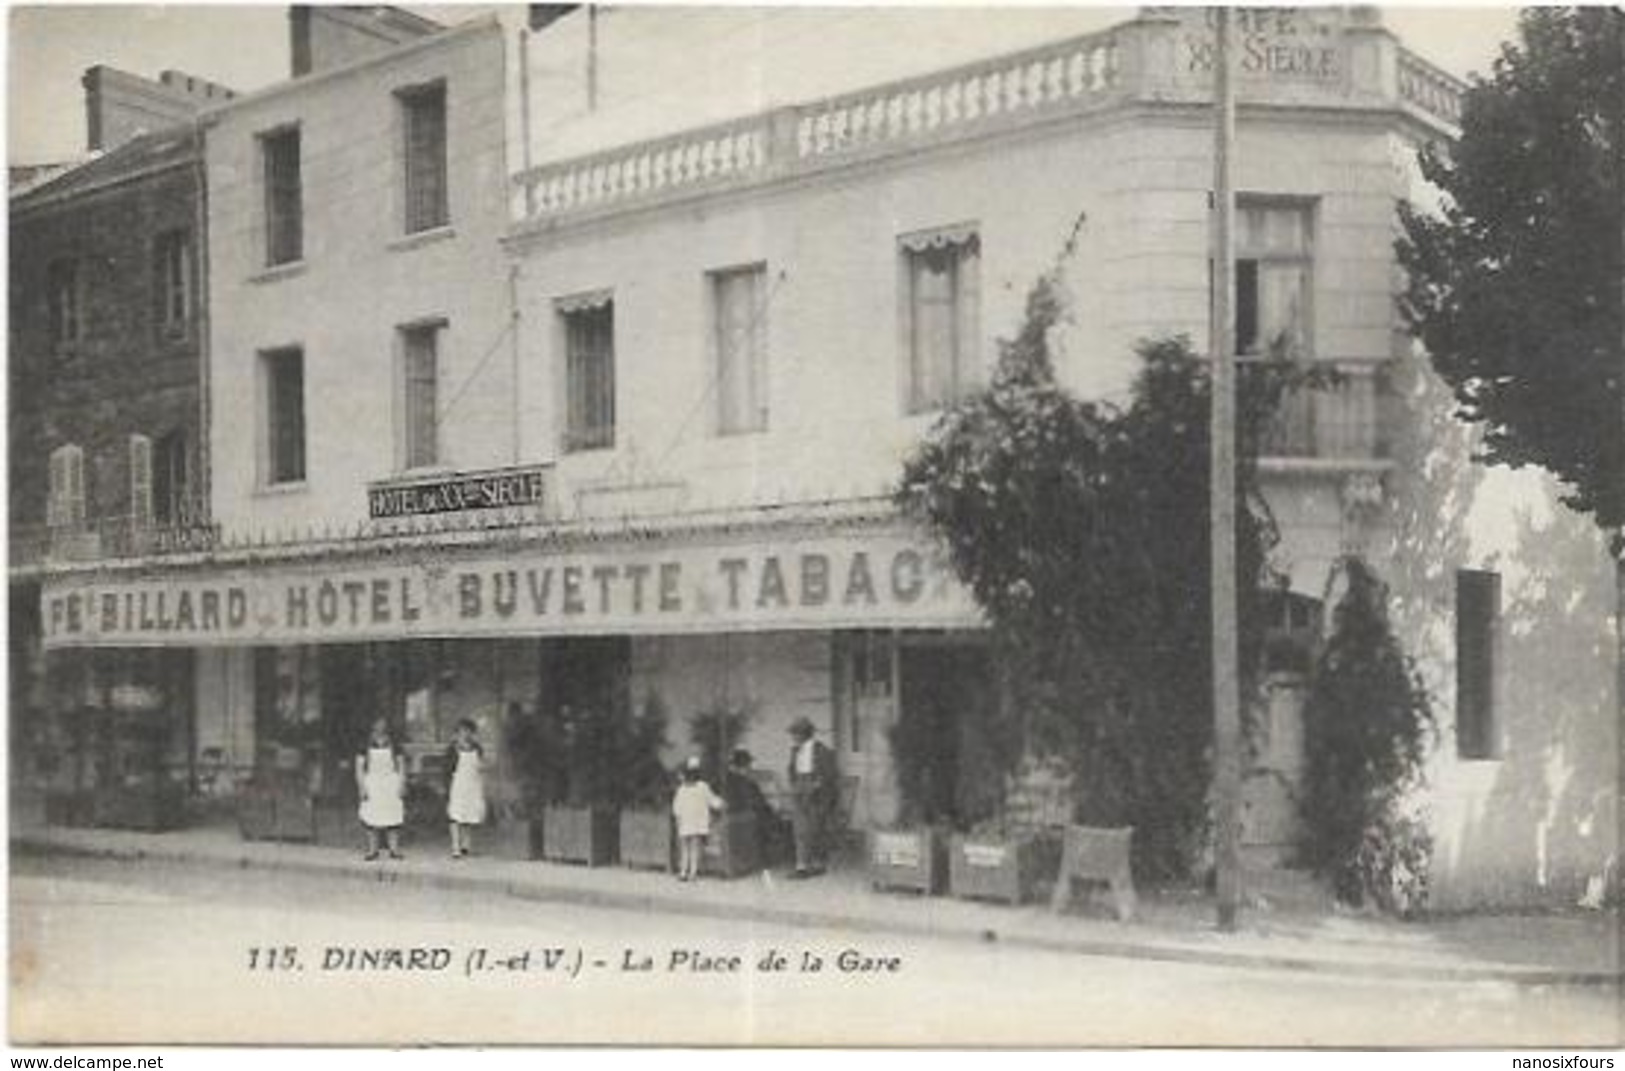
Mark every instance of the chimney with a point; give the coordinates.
(321, 37)
(542, 16)
(119, 105)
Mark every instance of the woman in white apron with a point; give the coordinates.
(465, 799)
(380, 773)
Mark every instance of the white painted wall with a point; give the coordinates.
(359, 281)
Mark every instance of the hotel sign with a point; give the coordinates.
(493, 489)
(872, 580)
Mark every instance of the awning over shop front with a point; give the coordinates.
(860, 578)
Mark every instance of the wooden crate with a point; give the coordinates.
(1007, 869)
(648, 840)
(907, 859)
(70, 807)
(734, 847)
(149, 808)
(580, 835)
(509, 838)
(338, 824)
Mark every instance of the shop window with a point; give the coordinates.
(420, 373)
(589, 348)
(423, 124)
(283, 379)
(172, 281)
(1478, 628)
(288, 707)
(284, 196)
(1274, 277)
(65, 501)
(65, 295)
(941, 312)
(739, 315)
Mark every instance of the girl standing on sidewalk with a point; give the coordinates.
(380, 773)
(465, 799)
(692, 806)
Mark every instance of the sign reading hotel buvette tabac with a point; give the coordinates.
(868, 581)
(493, 489)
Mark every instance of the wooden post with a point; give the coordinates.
(1222, 478)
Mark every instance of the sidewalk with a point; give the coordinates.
(1573, 948)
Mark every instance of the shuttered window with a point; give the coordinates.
(66, 300)
(740, 326)
(172, 281)
(284, 197)
(171, 480)
(1274, 262)
(283, 376)
(423, 123)
(141, 512)
(420, 371)
(941, 317)
(589, 347)
(65, 501)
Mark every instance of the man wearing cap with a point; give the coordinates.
(812, 796)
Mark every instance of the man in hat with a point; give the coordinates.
(812, 797)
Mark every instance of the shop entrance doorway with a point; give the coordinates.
(947, 701)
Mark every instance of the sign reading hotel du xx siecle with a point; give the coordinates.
(869, 581)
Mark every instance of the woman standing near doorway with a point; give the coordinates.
(381, 776)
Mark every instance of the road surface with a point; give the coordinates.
(132, 952)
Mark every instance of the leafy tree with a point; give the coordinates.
(1081, 528)
(1515, 288)
(1367, 722)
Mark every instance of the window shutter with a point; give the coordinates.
(55, 486)
(65, 508)
(141, 480)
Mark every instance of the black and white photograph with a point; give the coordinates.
(977, 526)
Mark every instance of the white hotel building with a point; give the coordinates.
(549, 365)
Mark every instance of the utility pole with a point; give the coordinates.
(1222, 481)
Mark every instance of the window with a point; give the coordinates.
(171, 480)
(423, 124)
(1478, 630)
(65, 501)
(284, 207)
(141, 480)
(66, 305)
(420, 426)
(589, 349)
(284, 433)
(172, 281)
(739, 306)
(941, 307)
(1274, 257)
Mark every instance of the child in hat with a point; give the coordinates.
(692, 806)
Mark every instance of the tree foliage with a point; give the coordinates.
(1082, 530)
(1515, 289)
(1367, 722)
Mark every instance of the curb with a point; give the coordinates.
(541, 892)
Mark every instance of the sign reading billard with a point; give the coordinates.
(493, 489)
(883, 580)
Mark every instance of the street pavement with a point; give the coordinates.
(145, 951)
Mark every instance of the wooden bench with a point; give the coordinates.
(1098, 856)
